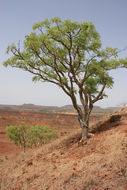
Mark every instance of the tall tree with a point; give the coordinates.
(69, 55)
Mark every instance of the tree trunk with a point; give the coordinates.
(24, 148)
(84, 124)
(84, 133)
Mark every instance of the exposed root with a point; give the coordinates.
(83, 141)
(90, 135)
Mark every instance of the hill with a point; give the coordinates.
(52, 109)
(65, 164)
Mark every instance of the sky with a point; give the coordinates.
(16, 20)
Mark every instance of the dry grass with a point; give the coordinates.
(66, 165)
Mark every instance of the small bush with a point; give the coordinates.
(41, 135)
(18, 134)
(26, 136)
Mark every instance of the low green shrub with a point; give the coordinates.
(18, 134)
(41, 135)
(26, 136)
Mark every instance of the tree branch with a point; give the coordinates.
(99, 96)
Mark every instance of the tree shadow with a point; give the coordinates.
(110, 123)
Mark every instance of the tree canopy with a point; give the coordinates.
(70, 55)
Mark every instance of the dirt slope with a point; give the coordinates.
(101, 164)
(63, 123)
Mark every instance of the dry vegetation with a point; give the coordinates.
(64, 164)
(63, 123)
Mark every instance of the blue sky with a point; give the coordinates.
(16, 20)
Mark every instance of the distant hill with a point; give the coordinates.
(52, 109)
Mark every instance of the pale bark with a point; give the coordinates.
(84, 133)
(84, 124)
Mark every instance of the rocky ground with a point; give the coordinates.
(65, 164)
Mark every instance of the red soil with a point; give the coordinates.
(63, 123)
(99, 164)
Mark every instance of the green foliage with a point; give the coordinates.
(40, 135)
(26, 136)
(18, 134)
(70, 55)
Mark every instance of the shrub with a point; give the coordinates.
(26, 136)
(41, 135)
(18, 134)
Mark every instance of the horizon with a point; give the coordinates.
(27, 104)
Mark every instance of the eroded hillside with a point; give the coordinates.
(65, 164)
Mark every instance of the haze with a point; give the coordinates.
(16, 20)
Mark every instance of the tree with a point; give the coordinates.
(26, 136)
(18, 134)
(39, 135)
(69, 55)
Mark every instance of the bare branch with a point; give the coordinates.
(99, 96)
